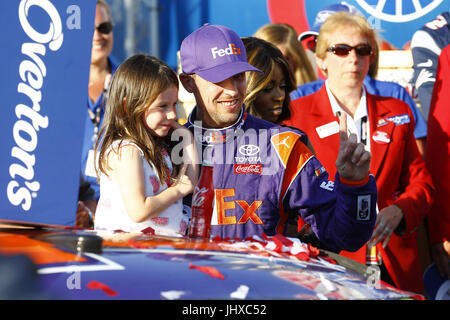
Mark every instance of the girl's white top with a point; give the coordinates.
(111, 214)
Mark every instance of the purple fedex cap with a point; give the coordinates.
(215, 53)
(323, 14)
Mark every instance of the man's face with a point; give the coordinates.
(219, 104)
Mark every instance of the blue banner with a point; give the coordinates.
(45, 59)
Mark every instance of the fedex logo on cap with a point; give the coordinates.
(231, 49)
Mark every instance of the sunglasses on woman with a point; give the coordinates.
(342, 50)
(105, 27)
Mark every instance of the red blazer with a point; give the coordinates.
(400, 172)
(438, 150)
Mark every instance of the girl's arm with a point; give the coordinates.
(128, 170)
(190, 160)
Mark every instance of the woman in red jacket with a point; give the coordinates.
(437, 159)
(385, 125)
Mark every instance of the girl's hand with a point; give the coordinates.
(190, 168)
(185, 182)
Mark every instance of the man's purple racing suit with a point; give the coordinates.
(262, 171)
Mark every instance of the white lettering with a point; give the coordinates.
(29, 68)
(231, 49)
(32, 72)
(37, 119)
(21, 196)
(35, 96)
(23, 143)
(74, 20)
(74, 281)
(214, 51)
(27, 159)
(199, 197)
(30, 49)
(54, 36)
(327, 185)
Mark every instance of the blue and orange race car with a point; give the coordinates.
(67, 263)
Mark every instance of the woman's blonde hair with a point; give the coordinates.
(265, 56)
(285, 34)
(135, 85)
(106, 6)
(342, 19)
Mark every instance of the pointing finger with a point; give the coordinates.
(366, 157)
(342, 126)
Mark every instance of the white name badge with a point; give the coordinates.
(328, 129)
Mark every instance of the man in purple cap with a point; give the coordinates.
(263, 173)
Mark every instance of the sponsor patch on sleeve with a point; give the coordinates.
(319, 171)
(363, 211)
(328, 185)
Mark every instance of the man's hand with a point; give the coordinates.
(388, 220)
(353, 161)
(83, 219)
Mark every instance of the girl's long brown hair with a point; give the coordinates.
(135, 85)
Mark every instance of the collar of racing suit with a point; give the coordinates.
(208, 136)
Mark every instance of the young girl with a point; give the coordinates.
(137, 192)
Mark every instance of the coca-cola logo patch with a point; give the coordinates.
(199, 196)
(255, 168)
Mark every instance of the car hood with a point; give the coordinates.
(85, 265)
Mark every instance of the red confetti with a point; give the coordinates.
(265, 237)
(313, 251)
(285, 241)
(92, 285)
(211, 271)
(302, 256)
(330, 260)
(278, 245)
(136, 244)
(148, 230)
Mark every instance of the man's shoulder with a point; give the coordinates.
(255, 122)
(258, 123)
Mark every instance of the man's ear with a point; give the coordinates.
(188, 82)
